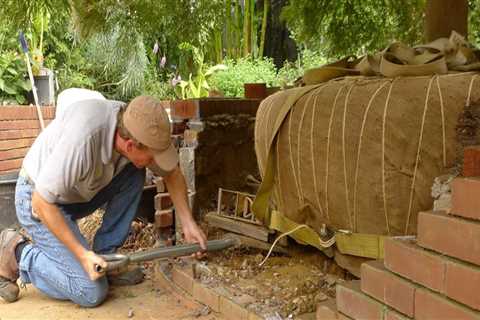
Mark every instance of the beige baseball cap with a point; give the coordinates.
(147, 121)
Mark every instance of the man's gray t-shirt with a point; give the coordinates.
(74, 157)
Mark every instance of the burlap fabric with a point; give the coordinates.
(361, 154)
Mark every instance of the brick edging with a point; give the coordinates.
(183, 278)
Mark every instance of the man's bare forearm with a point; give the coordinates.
(53, 219)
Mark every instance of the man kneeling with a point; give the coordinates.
(92, 155)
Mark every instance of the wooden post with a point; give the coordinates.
(443, 16)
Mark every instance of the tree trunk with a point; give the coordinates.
(247, 30)
(228, 28)
(278, 44)
(264, 27)
(443, 16)
(238, 30)
(253, 30)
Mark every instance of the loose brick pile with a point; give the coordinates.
(19, 126)
(164, 216)
(433, 276)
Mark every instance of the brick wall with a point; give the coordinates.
(433, 276)
(19, 126)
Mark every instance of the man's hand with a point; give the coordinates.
(193, 234)
(175, 182)
(54, 220)
(89, 260)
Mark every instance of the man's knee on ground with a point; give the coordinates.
(94, 294)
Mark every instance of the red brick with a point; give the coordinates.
(453, 236)
(254, 316)
(163, 201)
(184, 109)
(462, 282)
(393, 315)
(207, 296)
(17, 143)
(388, 288)
(183, 277)
(205, 107)
(21, 124)
(327, 310)
(353, 303)
(466, 197)
(19, 134)
(412, 262)
(429, 305)
(25, 113)
(231, 310)
(471, 161)
(13, 154)
(9, 165)
(163, 218)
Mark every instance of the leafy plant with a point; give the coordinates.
(291, 71)
(35, 36)
(13, 84)
(244, 70)
(346, 27)
(197, 85)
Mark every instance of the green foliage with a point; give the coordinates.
(13, 84)
(244, 70)
(158, 86)
(197, 85)
(307, 59)
(345, 27)
(474, 22)
(118, 62)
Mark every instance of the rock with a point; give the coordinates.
(331, 280)
(244, 264)
(130, 313)
(258, 258)
(244, 300)
(320, 297)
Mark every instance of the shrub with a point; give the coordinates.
(13, 83)
(293, 70)
(245, 70)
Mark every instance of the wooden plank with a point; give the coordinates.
(248, 229)
(16, 143)
(13, 154)
(10, 165)
(21, 124)
(19, 134)
(254, 243)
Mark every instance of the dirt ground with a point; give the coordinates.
(146, 301)
(286, 285)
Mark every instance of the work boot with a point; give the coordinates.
(9, 239)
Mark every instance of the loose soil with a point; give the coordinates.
(285, 286)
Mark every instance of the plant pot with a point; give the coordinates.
(255, 90)
(45, 90)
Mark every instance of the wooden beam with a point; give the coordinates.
(243, 228)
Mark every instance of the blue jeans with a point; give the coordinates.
(50, 266)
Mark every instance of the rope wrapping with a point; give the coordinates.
(361, 154)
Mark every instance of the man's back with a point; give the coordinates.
(73, 158)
